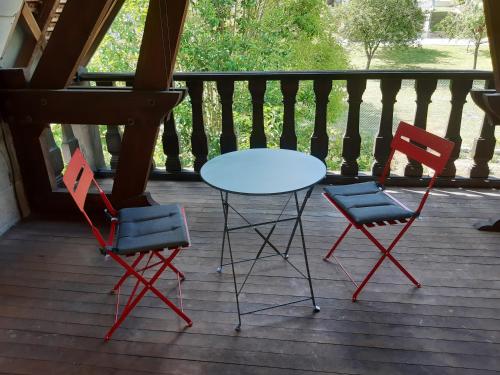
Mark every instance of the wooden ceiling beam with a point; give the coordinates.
(72, 34)
(55, 70)
(160, 44)
(159, 47)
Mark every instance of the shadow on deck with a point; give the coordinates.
(55, 309)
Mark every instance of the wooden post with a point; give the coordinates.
(69, 142)
(351, 145)
(170, 141)
(425, 88)
(228, 136)
(459, 88)
(390, 88)
(199, 142)
(159, 47)
(319, 139)
(257, 89)
(289, 89)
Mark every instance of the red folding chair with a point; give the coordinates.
(366, 204)
(143, 232)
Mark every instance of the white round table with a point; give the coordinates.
(263, 172)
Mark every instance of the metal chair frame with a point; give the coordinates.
(78, 179)
(414, 142)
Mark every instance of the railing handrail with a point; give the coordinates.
(425, 84)
(300, 75)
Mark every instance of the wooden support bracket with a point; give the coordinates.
(87, 106)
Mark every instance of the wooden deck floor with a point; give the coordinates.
(54, 306)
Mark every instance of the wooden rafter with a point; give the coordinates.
(159, 47)
(47, 99)
(30, 22)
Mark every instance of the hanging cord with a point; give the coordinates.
(162, 20)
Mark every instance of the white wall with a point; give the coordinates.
(9, 213)
(9, 14)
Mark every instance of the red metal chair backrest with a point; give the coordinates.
(78, 178)
(421, 146)
(429, 141)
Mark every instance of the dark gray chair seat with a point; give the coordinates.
(367, 203)
(151, 228)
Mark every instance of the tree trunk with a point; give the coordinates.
(370, 52)
(476, 52)
(368, 60)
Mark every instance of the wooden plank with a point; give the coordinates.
(54, 305)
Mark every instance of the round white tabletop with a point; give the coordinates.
(262, 171)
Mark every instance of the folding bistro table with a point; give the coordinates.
(264, 172)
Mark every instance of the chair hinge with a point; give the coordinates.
(107, 249)
(110, 217)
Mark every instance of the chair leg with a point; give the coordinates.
(127, 273)
(339, 240)
(387, 251)
(148, 285)
(171, 266)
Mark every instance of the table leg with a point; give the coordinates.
(299, 220)
(225, 206)
(225, 209)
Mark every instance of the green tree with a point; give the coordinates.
(239, 35)
(467, 22)
(380, 22)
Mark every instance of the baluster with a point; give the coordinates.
(351, 145)
(319, 139)
(425, 88)
(199, 142)
(170, 141)
(390, 88)
(113, 135)
(114, 144)
(257, 89)
(69, 142)
(289, 88)
(228, 136)
(484, 146)
(88, 137)
(483, 150)
(54, 154)
(459, 88)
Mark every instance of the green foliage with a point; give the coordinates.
(239, 35)
(380, 22)
(467, 22)
(119, 49)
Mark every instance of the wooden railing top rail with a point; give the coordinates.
(302, 75)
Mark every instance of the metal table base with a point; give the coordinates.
(226, 206)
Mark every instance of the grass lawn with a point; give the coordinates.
(426, 57)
